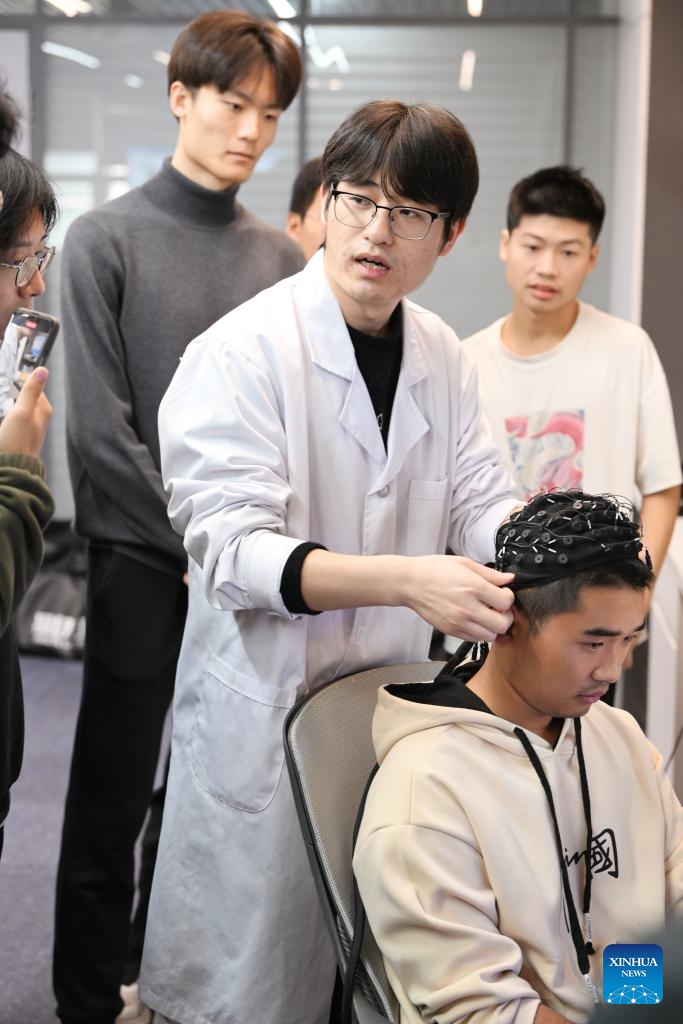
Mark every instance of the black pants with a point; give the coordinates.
(134, 626)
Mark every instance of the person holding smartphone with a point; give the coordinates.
(26, 507)
(27, 213)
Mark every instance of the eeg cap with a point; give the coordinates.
(558, 533)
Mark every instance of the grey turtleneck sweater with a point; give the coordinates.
(141, 277)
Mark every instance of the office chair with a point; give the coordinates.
(329, 755)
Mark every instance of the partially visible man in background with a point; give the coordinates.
(305, 224)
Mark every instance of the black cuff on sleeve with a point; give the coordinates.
(290, 584)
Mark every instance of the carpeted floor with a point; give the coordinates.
(27, 869)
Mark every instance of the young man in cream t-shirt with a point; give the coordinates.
(575, 397)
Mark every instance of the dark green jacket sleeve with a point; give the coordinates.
(26, 507)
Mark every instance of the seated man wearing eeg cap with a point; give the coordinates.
(517, 824)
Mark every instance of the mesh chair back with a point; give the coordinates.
(328, 743)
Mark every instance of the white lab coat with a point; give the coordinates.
(269, 438)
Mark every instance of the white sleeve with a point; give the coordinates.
(224, 464)
(658, 461)
(433, 914)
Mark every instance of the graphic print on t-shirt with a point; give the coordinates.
(546, 450)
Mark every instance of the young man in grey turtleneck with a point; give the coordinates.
(141, 277)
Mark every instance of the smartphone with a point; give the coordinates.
(37, 333)
(28, 339)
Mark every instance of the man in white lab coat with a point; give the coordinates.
(321, 445)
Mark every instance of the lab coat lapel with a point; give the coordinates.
(332, 350)
(358, 417)
(408, 423)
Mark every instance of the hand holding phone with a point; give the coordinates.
(29, 337)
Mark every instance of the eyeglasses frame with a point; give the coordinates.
(42, 259)
(335, 193)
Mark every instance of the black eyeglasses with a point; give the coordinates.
(29, 265)
(405, 221)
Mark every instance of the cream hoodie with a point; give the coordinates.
(458, 868)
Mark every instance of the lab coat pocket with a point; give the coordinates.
(237, 748)
(426, 524)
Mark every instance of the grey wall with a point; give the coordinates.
(662, 310)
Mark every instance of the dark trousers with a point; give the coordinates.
(134, 626)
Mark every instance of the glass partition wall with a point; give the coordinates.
(535, 82)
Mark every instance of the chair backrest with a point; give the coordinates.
(329, 753)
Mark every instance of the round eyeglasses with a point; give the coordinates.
(405, 221)
(29, 265)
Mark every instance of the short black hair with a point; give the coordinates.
(564, 595)
(421, 152)
(306, 184)
(222, 48)
(26, 192)
(559, 192)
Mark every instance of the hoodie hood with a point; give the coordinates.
(406, 709)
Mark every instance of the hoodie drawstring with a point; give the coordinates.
(582, 946)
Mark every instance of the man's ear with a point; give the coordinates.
(320, 193)
(454, 233)
(293, 225)
(518, 619)
(325, 200)
(504, 245)
(178, 97)
(593, 258)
